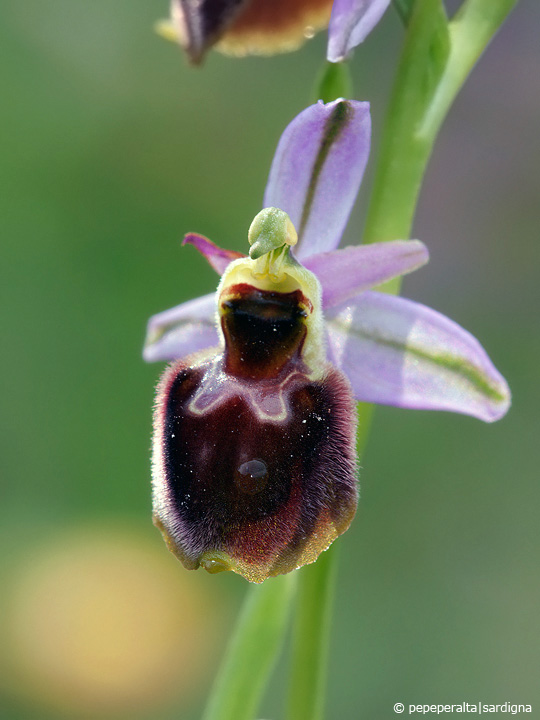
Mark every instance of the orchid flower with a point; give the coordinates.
(254, 464)
(265, 27)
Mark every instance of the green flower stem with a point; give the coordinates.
(436, 60)
(403, 152)
(252, 651)
(333, 81)
(470, 33)
(311, 636)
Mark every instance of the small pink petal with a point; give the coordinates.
(219, 258)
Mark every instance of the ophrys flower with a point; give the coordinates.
(254, 431)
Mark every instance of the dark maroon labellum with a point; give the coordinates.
(254, 459)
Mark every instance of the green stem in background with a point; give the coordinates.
(365, 417)
(403, 154)
(311, 636)
(470, 33)
(252, 651)
(437, 58)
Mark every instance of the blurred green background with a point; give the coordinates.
(112, 149)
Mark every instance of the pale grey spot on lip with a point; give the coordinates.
(252, 476)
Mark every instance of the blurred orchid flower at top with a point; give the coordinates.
(394, 351)
(254, 462)
(265, 27)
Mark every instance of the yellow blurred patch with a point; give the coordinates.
(167, 30)
(100, 622)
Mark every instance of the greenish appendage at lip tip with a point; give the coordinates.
(215, 562)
